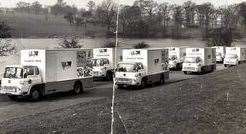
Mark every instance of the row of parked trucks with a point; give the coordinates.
(42, 72)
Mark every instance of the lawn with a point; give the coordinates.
(43, 26)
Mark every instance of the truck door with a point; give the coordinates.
(32, 73)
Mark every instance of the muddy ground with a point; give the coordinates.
(202, 104)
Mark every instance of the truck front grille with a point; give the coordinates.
(10, 88)
(123, 80)
(190, 68)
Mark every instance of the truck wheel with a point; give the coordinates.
(162, 79)
(13, 97)
(109, 76)
(119, 86)
(35, 95)
(180, 66)
(143, 84)
(77, 88)
(214, 68)
(185, 72)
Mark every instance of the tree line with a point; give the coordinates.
(149, 19)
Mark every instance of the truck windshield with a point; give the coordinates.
(99, 62)
(192, 60)
(13, 72)
(173, 57)
(125, 67)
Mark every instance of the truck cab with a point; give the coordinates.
(220, 53)
(46, 71)
(231, 59)
(140, 67)
(200, 60)
(101, 67)
(176, 57)
(173, 61)
(104, 61)
(129, 73)
(18, 80)
(192, 64)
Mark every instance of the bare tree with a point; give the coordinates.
(164, 10)
(242, 14)
(205, 12)
(148, 7)
(36, 7)
(106, 13)
(91, 6)
(23, 7)
(189, 13)
(129, 16)
(178, 21)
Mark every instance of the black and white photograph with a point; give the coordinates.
(122, 67)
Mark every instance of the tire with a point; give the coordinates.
(185, 72)
(180, 66)
(119, 86)
(109, 76)
(13, 97)
(77, 89)
(214, 68)
(143, 84)
(204, 70)
(35, 95)
(225, 65)
(162, 79)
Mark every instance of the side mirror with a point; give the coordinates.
(29, 81)
(25, 75)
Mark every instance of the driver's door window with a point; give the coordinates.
(28, 72)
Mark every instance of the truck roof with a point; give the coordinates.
(199, 47)
(60, 49)
(20, 66)
(122, 62)
(178, 46)
(144, 48)
(15, 66)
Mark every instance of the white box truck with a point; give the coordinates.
(199, 60)
(234, 56)
(176, 57)
(140, 67)
(104, 62)
(220, 53)
(44, 72)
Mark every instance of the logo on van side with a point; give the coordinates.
(33, 53)
(195, 50)
(66, 65)
(135, 52)
(102, 50)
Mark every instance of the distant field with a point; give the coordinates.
(33, 26)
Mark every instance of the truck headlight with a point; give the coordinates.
(138, 75)
(23, 82)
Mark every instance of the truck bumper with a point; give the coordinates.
(12, 91)
(230, 63)
(126, 82)
(97, 74)
(191, 69)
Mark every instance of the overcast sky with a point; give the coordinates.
(83, 3)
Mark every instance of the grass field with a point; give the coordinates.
(36, 26)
